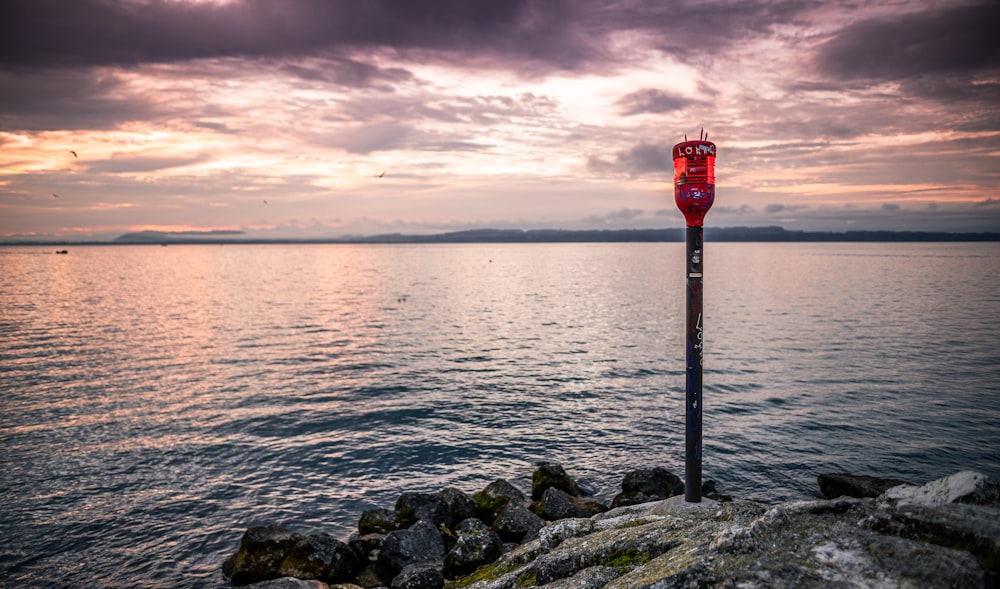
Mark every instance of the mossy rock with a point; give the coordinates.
(380, 521)
(551, 475)
(495, 497)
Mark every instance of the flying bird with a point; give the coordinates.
(54, 195)
(380, 175)
(74, 153)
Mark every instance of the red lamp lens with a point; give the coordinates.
(694, 179)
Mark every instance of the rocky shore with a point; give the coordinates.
(867, 532)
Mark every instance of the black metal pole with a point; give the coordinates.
(695, 356)
(694, 193)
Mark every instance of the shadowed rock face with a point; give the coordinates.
(272, 552)
(556, 504)
(496, 497)
(648, 484)
(475, 545)
(432, 508)
(900, 539)
(847, 485)
(419, 543)
(942, 534)
(549, 475)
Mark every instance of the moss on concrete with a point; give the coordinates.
(488, 572)
(625, 559)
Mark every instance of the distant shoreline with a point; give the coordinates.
(720, 234)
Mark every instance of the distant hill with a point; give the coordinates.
(744, 234)
(637, 235)
(178, 236)
(773, 234)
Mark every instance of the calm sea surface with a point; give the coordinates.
(157, 401)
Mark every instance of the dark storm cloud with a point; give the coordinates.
(934, 52)
(651, 100)
(536, 34)
(478, 110)
(57, 33)
(348, 72)
(640, 159)
(39, 101)
(688, 28)
(118, 164)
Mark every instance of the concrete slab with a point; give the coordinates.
(678, 506)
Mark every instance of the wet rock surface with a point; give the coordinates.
(549, 475)
(475, 545)
(942, 534)
(273, 552)
(556, 504)
(895, 540)
(842, 484)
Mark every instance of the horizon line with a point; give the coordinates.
(772, 233)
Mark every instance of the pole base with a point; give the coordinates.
(677, 506)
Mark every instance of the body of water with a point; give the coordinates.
(157, 401)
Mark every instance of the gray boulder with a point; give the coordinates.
(648, 484)
(549, 475)
(553, 534)
(475, 546)
(460, 504)
(556, 504)
(273, 552)
(421, 575)
(835, 485)
(320, 556)
(289, 583)
(372, 576)
(709, 490)
(380, 521)
(261, 552)
(517, 523)
(907, 537)
(967, 486)
(420, 543)
(413, 507)
(364, 545)
(495, 497)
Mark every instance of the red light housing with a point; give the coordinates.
(694, 179)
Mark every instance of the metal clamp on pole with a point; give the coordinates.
(694, 193)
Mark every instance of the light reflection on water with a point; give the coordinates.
(157, 401)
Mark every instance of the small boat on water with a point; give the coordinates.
(62, 251)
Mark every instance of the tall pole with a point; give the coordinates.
(694, 193)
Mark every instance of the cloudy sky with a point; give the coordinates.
(278, 118)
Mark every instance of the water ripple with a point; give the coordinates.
(194, 391)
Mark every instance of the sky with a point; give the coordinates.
(331, 118)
